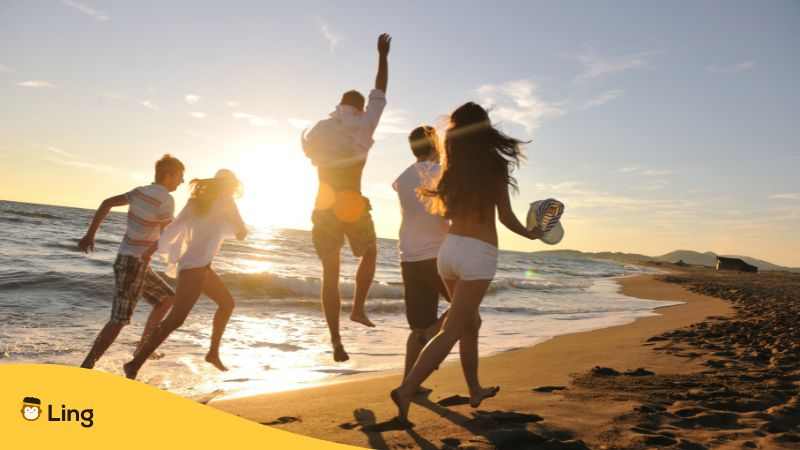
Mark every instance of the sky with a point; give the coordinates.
(660, 125)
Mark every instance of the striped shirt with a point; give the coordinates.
(150, 207)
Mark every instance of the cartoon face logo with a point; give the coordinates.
(31, 408)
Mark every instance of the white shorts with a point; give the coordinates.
(467, 258)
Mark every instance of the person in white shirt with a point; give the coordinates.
(188, 246)
(338, 147)
(421, 235)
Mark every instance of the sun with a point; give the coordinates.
(279, 183)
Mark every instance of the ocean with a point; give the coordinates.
(54, 300)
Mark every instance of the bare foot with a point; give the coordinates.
(475, 400)
(130, 372)
(339, 355)
(216, 362)
(402, 405)
(362, 319)
(423, 390)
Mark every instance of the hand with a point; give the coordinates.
(146, 258)
(86, 243)
(384, 41)
(242, 234)
(535, 233)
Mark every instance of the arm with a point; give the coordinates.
(148, 254)
(236, 219)
(87, 241)
(382, 78)
(509, 220)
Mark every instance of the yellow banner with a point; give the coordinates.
(51, 406)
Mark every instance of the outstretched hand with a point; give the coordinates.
(384, 41)
(86, 244)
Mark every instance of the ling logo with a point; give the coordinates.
(31, 408)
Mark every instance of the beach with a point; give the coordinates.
(703, 385)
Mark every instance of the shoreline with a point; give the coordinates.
(355, 411)
(625, 319)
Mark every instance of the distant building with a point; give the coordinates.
(734, 264)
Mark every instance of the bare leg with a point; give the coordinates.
(364, 277)
(190, 286)
(216, 290)
(468, 351)
(156, 314)
(332, 304)
(416, 341)
(104, 340)
(419, 337)
(466, 300)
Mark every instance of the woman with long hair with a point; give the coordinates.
(188, 246)
(475, 182)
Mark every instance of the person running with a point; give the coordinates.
(338, 147)
(421, 235)
(150, 209)
(474, 151)
(188, 246)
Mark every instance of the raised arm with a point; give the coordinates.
(509, 219)
(87, 241)
(382, 78)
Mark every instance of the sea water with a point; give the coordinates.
(54, 300)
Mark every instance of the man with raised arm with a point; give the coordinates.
(338, 147)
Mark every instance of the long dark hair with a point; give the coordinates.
(477, 163)
(204, 192)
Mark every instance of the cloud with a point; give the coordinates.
(576, 195)
(149, 105)
(255, 120)
(656, 184)
(36, 84)
(519, 102)
(57, 151)
(301, 124)
(734, 68)
(196, 114)
(332, 38)
(600, 99)
(792, 196)
(596, 66)
(57, 155)
(100, 168)
(91, 12)
(645, 171)
(232, 104)
(192, 99)
(6, 69)
(393, 121)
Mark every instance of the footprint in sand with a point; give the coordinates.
(282, 420)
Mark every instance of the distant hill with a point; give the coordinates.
(710, 259)
(687, 256)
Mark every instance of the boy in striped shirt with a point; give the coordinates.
(151, 208)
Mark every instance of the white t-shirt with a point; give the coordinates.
(345, 138)
(192, 241)
(421, 233)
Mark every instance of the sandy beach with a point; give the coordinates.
(574, 391)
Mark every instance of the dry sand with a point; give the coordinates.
(584, 413)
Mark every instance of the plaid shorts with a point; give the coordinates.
(346, 218)
(134, 279)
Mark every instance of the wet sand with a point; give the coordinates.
(674, 380)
